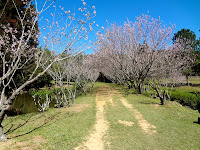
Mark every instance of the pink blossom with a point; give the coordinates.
(6, 30)
(93, 7)
(84, 3)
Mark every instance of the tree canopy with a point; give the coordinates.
(187, 36)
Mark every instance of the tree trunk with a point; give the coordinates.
(161, 95)
(162, 100)
(2, 136)
(187, 78)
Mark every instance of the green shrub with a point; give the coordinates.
(186, 99)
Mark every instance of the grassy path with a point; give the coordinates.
(104, 97)
(106, 118)
(144, 124)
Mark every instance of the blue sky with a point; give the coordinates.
(182, 13)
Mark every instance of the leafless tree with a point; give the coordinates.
(59, 38)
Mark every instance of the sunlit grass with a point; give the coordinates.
(194, 79)
(175, 124)
(188, 89)
(63, 128)
(66, 128)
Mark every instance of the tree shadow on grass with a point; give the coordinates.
(196, 122)
(47, 121)
(150, 103)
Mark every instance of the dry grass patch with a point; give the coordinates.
(79, 107)
(126, 123)
(33, 143)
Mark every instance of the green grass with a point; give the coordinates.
(188, 89)
(65, 128)
(119, 135)
(174, 123)
(194, 79)
(176, 127)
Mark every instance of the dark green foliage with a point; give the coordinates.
(196, 66)
(186, 99)
(185, 35)
(11, 16)
(42, 93)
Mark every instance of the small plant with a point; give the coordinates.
(42, 99)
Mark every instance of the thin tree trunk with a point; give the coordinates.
(187, 78)
(2, 135)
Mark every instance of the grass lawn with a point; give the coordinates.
(194, 79)
(66, 128)
(175, 124)
(188, 89)
(56, 129)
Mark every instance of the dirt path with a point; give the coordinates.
(95, 139)
(144, 124)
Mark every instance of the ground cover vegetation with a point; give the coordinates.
(71, 128)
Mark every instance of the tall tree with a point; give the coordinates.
(21, 52)
(189, 38)
(9, 15)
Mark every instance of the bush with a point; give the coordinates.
(186, 99)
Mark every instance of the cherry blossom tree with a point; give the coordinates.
(64, 33)
(141, 53)
(73, 75)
